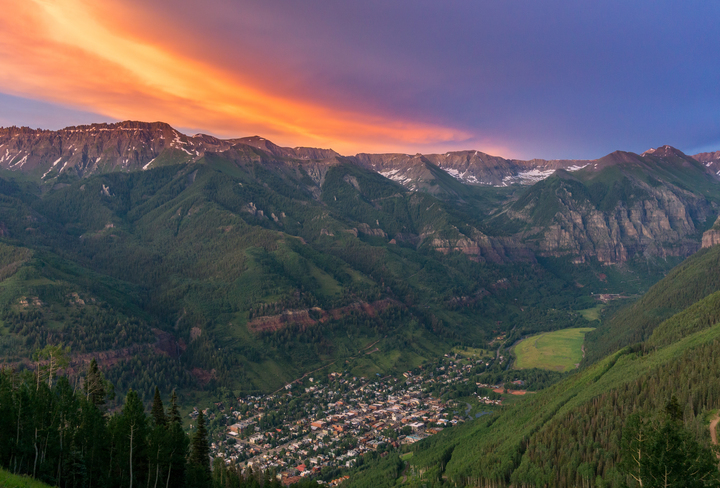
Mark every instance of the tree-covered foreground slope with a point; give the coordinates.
(58, 433)
(571, 434)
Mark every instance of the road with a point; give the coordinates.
(713, 430)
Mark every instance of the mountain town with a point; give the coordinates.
(317, 426)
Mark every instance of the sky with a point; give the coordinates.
(514, 78)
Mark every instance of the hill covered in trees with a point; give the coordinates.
(575, 432)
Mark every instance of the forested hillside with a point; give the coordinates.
(685, 285)
(572, 433)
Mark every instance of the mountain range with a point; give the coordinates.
(654, 204)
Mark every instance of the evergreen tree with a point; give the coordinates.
(661, 452)
(199, 461)
(93, 439)
(174, 411)
(158, 411)
(95, 384)
(178, 444)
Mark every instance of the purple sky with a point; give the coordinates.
(552, 79)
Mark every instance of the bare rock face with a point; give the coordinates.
(484, 249)
(95, 148)
(125, 146)
(366, 229)
(660, 224)
(711, 160)
(712, 237)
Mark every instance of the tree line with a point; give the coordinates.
(59, 430)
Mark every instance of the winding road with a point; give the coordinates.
(713, 430)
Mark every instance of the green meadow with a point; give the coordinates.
(558, 351)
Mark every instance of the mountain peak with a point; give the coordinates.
(663, 152)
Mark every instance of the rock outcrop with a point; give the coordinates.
(309, 317)
(616, 220)
(712, 237)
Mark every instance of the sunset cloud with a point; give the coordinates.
(62, 51)
(551, 79)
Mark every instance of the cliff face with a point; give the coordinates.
(99, 147)
(125, 146)
(484, 249)
(615, 214)
(308, 317)
(712, 237)
(659, 225)
(711, 160)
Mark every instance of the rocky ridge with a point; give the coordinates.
(124, 146)
(418, 172)
(710, 160)
(618, 208)
(131, 146)
(655, 216)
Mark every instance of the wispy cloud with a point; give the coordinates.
(63, 51)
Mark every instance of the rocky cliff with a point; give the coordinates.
(712, 237)
(626, 206)
(711, 160)
(124, 146)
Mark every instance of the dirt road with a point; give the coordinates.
(713, 430)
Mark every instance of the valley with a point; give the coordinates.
(329, 314)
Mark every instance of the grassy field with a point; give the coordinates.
(8, 480)
(592, 313)
(472, 352)
(558, 351)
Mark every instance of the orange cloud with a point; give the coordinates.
(63, 51)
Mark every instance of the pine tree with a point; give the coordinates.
(199, 450)
(199, 461)
(661, 452)
(95, 385)
(174, 411)
(178, 442)
(158, 410)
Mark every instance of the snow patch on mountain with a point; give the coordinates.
(575, 167)
(51, 167)
(149, 163)
(464, 177)
(527, 177)
(393, 175)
